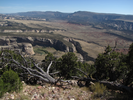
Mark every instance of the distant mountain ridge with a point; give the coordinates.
(82, 14)
(113, 21)
(39, 14)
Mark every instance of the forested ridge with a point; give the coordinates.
(111, 70)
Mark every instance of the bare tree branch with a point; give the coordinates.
(82, 71)
(76, 77)
(54, 73)
(25, 65)
(49, 67)
(111, 85)
(38, 72)
(44, 76)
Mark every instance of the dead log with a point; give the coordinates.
(34, 71)
(108, 84)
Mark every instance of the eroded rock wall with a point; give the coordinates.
(14, 43)
(11, 44)
(25, 44)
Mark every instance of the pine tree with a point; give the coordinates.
(109, 65)
(129, 78)
(68, 62)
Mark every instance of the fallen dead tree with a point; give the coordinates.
(31, 68)
(108, 84)
(28, 67)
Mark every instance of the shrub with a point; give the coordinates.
(129, 77)
(9, 82)
(6, 63)
(98, 89)
(67, 65)
(110, 65)
(1, 88)
(87, 68)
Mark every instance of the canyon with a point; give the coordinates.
(25, 45)
(84, 33)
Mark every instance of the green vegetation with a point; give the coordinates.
(1, 87)
(9, 82)
(42, 35)
(110, 65)
(5, 63)
(129, 79)
(14, 26)
(41, 51)
(47, 61)
(114, 66)
(68, 63)
(87, 68)
(98, 90)
(10, 25)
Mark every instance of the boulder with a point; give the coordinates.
(27, 48)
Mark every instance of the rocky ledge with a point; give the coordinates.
(25, 44)
(118, 25)
(11, 44)
(33, 31)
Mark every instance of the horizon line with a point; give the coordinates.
(68, 12)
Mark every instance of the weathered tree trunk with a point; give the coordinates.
(32, 71)
(7, 58)
(110, 85)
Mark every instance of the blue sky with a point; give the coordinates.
(101, 6)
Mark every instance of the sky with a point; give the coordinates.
(68, 6)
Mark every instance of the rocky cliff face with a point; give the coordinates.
(77, 48)
(28, 42)
(83, 53)
(45, 42)
(33, 31)
(118, 25)
(25, 44)
(11, 43)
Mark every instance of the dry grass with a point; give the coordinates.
(49, 92)
(39, 52)
(85, 33)
(65, 92)
(35, 24)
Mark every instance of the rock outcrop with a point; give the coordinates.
(11, 44)
(27, 48)
(118, 25)
(79, 50)
(45, 42)
(25, 45)
(33, 31)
